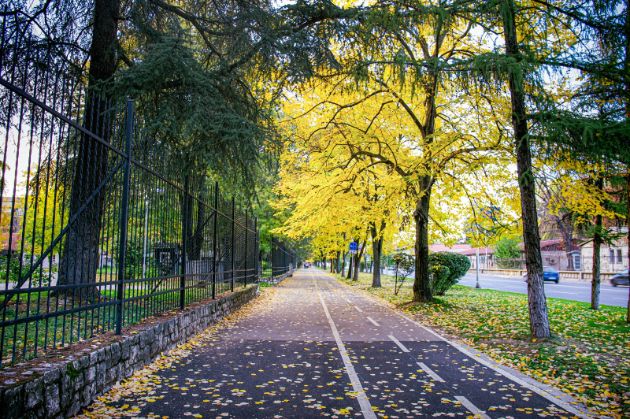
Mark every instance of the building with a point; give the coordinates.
(613, 256)
(486, 254)
(552, 251)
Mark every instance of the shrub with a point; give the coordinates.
(446, 268)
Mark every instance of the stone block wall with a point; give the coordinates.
(61, 388)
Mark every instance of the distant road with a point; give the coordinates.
(577, 291)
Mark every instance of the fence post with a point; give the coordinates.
(233, 243)
(214, 240)
(246, 225)
(124, 218)
(182, 278)
(256, 267)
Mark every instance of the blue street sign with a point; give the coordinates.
(354, 246)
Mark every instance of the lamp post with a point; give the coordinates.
(477, 268)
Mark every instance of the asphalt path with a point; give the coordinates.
(316, 348)
(576, 291)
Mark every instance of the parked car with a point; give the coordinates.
(620, 278)
(550, 274)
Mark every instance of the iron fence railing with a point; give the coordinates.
(93, 235)
(278, 261)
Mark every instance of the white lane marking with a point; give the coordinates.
(373, 321)
(526, 382)
(398, 343)
(430, 372)
(358, 309)
(364, 403)
(495, 367)
(473, 409)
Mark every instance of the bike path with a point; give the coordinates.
(316, 348)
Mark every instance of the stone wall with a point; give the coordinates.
(42, 388)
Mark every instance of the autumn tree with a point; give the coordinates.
(403, 79)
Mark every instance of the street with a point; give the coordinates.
(316, 348)
(577, 291)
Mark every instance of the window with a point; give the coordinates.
(611, 258)
(618, 255)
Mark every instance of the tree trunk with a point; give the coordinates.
(597, 246)
(538, 319)
(377, 250)
(343, 264)
(422, 285)
(357, 261)
(80, 254)
(195, 228)
(628, 222)
(337, 263)
(626, 68)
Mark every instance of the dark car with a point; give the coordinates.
(550, 274)
(307, 265)
(620, 279)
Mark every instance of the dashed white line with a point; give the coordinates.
(358, 309)
(373, 321)
(473, 409)
(364, 403)
(533, 386)
(398, 343)
(430, 372)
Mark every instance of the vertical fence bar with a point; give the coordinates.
(182, 278)
(124, 219)
(233, 243)
(256, 267)
(246, 226)
(214, 240)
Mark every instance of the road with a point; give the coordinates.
(577, 291)
(315, 348)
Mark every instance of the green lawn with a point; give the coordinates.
(24, 341)
(588, 356)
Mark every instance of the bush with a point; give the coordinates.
(507, 248)
(446, 268)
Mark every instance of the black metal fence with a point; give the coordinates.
(278, 261)
(94, 236)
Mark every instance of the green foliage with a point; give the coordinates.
(133, 257)
(508, 253)
(446, 268)
(17, 269)
(507, 248)
(194, 117)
